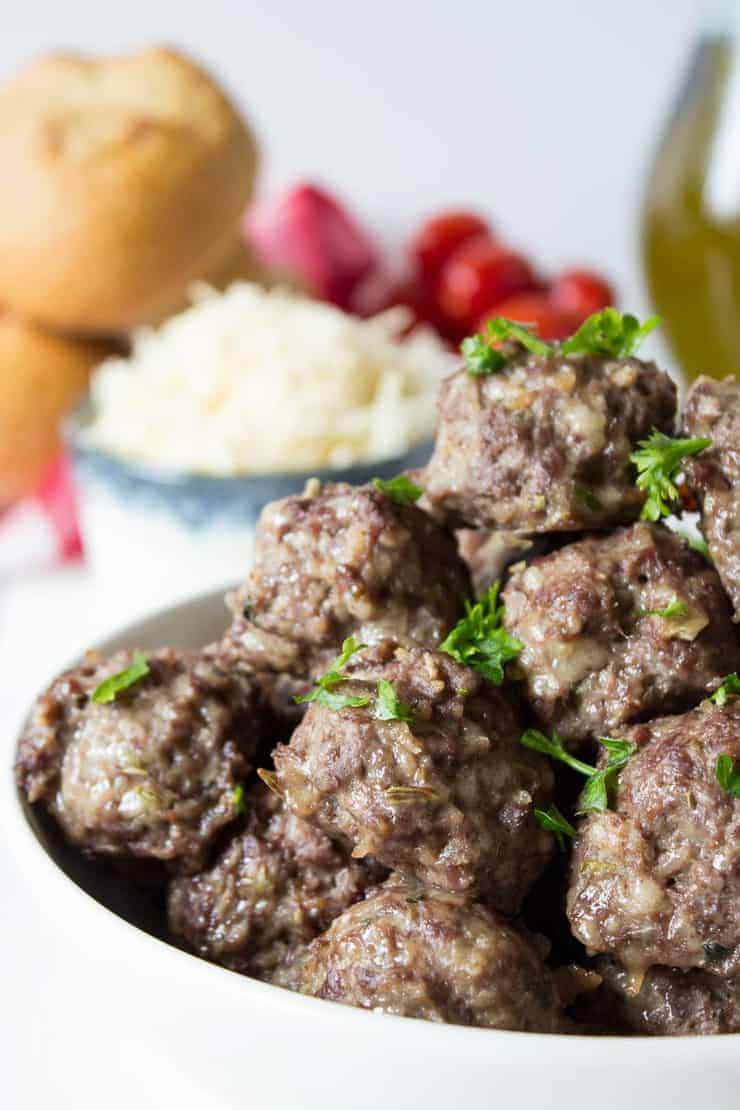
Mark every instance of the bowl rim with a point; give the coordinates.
(38, 868)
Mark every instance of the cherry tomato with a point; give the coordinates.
(535, 309)
(579, 293)
(479, 274)
(439, 237)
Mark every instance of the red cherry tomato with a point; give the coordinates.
(439, 237)
(534, 309)
(479, 274)
(579, 293)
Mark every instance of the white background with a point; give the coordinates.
(542, 114)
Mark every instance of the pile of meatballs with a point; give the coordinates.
(388, 851)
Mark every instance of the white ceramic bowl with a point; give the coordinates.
(231, 1042)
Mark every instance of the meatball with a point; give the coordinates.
(431, 954)
(665, 1002)
(275, 886)
(446, 794)
(657, 880)
(713, 410)
(338, 560)
(597, 652)
(152, 773)
(544, 445)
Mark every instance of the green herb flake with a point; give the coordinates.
(727, 775)
(479, 639)
(589, 499)
(400, 490)
(595, 795)
(538, 742)
(322, 692)
(553, 821)
(610, 334)
(237, 800)
(389, 706)
(500, 329)
(480, 358)
(110, 687)
(674, 610)
(658, 461)
(731, 685)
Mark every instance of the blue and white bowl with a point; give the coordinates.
(153, 536)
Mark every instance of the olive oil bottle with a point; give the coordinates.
(691, 218)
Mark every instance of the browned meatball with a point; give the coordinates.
(657, 880)
(597, 654)
(448, 797)
(431, 954)
(152, 773)
(544, 445)
(276, 885)
(713, 410)
(339, 560)
(665, 1002)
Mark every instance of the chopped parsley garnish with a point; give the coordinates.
(595, 794)
(538, 742)
(589, 498)
(674, 610)
(553, 821)
(658, 461)
(727, 776)
(479, 639)
(109, 688)
(400, 490)
(609, 333)
(480, 358)
(323, 691)
(389, 706)
(237, 800)
(731, 685)
(500, 329)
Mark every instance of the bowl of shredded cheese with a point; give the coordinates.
(239, 400)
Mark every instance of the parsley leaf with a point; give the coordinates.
(670, 612)
(237, 800)
(480, 358)
(108, 689)
(553, 821)
(610, 334)
(389, 706)
(595, 796)
(538, 742)
(658, 461)
(731, 685)
(479, 639)
(727, 776)
(589, 498)
(323, 694)
(499, 328)
(400, 490)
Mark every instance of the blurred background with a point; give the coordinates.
(545, 119)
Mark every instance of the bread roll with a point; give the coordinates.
(123, 182)
(41, 377)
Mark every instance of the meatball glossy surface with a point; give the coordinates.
(431, 954)
(448, 797)
(665, 1002)
(544, 445)
(713, 410)
(656, 880)
(152, 773)
(275, 886)
(597, 653)
(339, 560)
